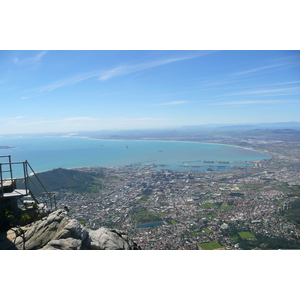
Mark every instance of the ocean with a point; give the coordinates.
(47, 153)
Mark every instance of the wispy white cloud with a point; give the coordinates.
(79, 119)
(66, 82)
(128, 69)
(11, 118)
(256, 70)
(143, 119)
(103, 75)
(245, 102)
(29, 60)
(292, 90)
(17, 121)
(278, 83)
(214, 82)
(174, 103)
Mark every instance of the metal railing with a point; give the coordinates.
(25, 182)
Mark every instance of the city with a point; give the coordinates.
(240, 208)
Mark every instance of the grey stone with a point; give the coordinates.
(58, 232)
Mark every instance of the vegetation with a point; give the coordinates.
(248, 241)
(210, 246)
(293, 214)
(228, 207)
(254, 186)
(70, 179)
(173, 222)
(208, 205)
(147, 192)
(246, 235)
(142, 216)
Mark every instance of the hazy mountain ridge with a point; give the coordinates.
(164, 132)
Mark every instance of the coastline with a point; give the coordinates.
(171, 141)
(52, 146)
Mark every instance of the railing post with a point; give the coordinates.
(10, 168)
(25, 174)
(2, 189)
(27, 180)
(47, 193)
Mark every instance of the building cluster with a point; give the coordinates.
(194, 207)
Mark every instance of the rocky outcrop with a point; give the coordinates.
(58, 232)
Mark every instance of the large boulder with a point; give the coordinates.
(59, 232)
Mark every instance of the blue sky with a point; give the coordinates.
(59, 91)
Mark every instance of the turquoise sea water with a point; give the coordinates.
(48, 153)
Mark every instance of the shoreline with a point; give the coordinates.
(91, 164)
(171, 141)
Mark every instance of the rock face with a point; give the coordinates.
(58, 232)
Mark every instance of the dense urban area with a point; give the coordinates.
(254, 207)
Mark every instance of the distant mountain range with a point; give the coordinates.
(278, 125)
(168, 132)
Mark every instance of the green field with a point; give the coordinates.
(142, 216)
(207, 205)
(246, 235)
(210, 246)
(206, 214)
(226, 207)
(173, 222)
(255, 186)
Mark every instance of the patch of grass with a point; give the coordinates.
(210, 246)
(246, 235)
(206, 214)
(226, 207)
(143, 201)
(144, 216)
(254, 187)
(193, 233)
(210, 215)
(208, 205)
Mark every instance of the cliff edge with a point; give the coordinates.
(58, 231)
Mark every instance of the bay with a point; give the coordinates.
(47, 153)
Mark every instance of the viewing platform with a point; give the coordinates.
(16, 194)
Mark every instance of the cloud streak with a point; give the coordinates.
(143, 119)
(14, 120)
(293, 90)
(128, 69)
(257, 102)
(256, 70)
(29, 60)
(113, 72)
(174, 103)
